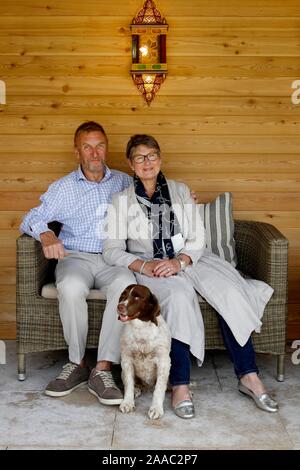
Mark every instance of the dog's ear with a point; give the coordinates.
(131, 286)
(127, 290)
(155, 308)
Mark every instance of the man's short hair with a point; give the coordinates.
(88, 126)
(141, 139)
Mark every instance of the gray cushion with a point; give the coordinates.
(219, 225)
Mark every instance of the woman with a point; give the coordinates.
(154, 228)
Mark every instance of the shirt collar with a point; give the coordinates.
(81, 176)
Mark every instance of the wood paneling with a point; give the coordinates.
(18, 200)
(108, 105)
(183, 85)
(156, 124)
(64, 161)
(245, 201)
(223, 45)
(229, 144)
(294, 287)
(7, 294)
(10, 220)
(8, 275)
(102, 8)
(206, 182)
(7, 259)
(196, 25)
(92, 66)
(224, 117)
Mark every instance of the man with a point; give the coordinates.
(79, 202)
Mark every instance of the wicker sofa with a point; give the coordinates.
(262, 253)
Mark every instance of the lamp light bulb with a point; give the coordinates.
(144, 51)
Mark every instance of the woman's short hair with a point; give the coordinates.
(141, 139)
(88, 126)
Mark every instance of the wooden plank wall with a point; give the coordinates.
(224, 117)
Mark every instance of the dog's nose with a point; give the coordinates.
(121, 308)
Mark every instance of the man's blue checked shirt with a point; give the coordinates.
(80, 205)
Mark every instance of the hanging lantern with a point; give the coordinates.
(149, 59)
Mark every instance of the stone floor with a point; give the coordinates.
(225, 419)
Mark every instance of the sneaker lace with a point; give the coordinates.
(67, 371)
(107, 378)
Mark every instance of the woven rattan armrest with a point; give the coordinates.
(32, 267)
(262, 253)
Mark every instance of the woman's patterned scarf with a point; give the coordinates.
(158, 210)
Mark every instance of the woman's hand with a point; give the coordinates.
(166, 267)
(146, 266)
(157, 268)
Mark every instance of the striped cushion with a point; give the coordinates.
(219, 225)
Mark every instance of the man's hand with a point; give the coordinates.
(52, 246)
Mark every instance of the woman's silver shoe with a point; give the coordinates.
(263, 401)
(185, 409)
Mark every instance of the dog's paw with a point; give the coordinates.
(127, 406)
(155, 412)
(137, 392)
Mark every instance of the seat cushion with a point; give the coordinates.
(218, 220)
(49, 291)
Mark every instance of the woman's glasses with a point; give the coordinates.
(141, 158)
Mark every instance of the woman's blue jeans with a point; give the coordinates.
(242, 357)
(180, 363)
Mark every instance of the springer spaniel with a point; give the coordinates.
(145, 348)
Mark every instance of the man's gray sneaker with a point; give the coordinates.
(102, 385)
(71, 377)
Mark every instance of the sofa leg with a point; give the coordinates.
(280, 367)
(21, 367)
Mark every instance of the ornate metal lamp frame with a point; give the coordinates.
(149, 58)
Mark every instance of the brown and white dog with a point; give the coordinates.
(145, 348)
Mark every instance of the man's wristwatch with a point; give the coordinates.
(182, 263)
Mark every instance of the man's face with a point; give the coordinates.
(91, 150)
